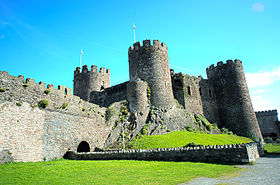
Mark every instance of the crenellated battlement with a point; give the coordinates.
(147, 45)
(229, 63)
(93, 69)
(30, 82)
(266, 113)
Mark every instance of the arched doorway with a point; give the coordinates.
(83, 147)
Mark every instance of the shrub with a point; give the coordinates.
(2, 90)
(64, 105)
(278, 140)
(192, 144)
(110, 112)
(47, 91)
(224, 130)
(25, 85)
(19, 104)
(205, 122)
(189, 128)
(268, 140)
(43, 103)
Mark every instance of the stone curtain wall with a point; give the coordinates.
(109, 95)
(33, 134)
(29, 133)
(197, 95)
(21, 130)
(244, 153)
(268, 123)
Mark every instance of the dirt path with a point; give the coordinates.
(266, 171)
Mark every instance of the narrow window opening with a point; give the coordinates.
(210, 93)
(189, 90)
(65, 91)
(200, 92)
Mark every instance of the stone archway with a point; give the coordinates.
(83, 147)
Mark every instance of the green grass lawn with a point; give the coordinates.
(109, 172)
(181, 138)
(272, 148)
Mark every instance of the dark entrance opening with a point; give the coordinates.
(83, 147)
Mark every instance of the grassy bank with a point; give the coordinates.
(181, 138)
(109, 172)
(272, 148)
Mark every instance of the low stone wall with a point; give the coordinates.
(244, 153)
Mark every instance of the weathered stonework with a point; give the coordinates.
(269, 124)
(233, 98)
(150, 63)
(158, 101)
(238, 154)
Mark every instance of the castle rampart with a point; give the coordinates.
(86, 81)
(30, 133)
(233, 98)
(150, 63)
(268, 121)
(109, 95)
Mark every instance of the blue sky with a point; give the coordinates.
(42, 39)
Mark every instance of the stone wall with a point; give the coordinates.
(30, 133)
(197, 95)
(244, 153)
(109, 95)
(268, 123)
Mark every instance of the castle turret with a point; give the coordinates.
(150, 63)
(86, 81)
(233, 98)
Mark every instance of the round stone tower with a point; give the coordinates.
(87, 81)
(234, 103)
(150, 63)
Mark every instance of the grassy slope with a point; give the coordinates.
(108, 172)
(181, 138)
(272, 148)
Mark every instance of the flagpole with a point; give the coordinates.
(81, 60)
(134, 27)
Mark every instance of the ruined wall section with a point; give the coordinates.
(109, 95)
(150, 63)
(233, 98)
(268, 123)
(86, 81)
(196, 95)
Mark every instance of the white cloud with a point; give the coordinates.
(260, 104)
(259, 91)
(258, 7)
(263, 78)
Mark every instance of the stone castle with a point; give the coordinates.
(155, 100)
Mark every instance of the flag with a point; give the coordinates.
(82, 52)
(134, 27)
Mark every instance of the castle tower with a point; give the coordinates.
(87, 81)
(234, 103)
(150, 63)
